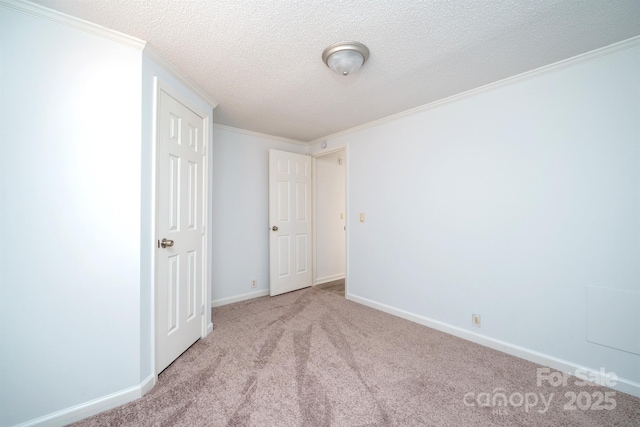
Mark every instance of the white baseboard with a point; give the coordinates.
(326, 279)
(92, 407)
(148, 384)
(623, 385)
(238, 298)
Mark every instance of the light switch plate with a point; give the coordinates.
(361, 217)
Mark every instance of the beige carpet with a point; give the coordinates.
(312, 358)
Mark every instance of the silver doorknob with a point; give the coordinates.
(274, 228)
(166, 243)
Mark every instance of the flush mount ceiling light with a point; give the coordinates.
(345, 57)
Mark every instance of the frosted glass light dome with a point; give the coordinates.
(345, 62)
(345, 58)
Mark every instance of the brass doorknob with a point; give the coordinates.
(274, 228)
(166, 243)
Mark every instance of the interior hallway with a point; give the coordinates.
(335, 287)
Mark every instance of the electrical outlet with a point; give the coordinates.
(475, 319)
(254, 283)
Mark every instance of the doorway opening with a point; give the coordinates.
(330, 222)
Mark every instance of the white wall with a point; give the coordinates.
(240, 212)
(77, 213)
(508, 203)
(70, 217)
(330, 211)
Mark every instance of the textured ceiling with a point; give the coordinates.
(261, 59)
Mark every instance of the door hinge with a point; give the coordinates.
(202, 312)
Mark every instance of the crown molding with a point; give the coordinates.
(584, 57)
(157, 57)
(116, 36)
(73, 22)
(259, 135)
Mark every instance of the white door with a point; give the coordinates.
(180, 229)
(289, 221)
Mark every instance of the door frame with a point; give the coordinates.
(314, 182)
(206, 327)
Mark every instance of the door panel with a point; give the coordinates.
(179, 267)
(290, 214)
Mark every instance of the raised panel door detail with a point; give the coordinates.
(175, 124)
(283, 166)
(173, 293)
(192, 194)
(174, 193)
(301, 169)
(301, 253)
(192, 281)
(283, 201)
(301, 201)
(284, 266)
(193, 138)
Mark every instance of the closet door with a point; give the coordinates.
(180, 229)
